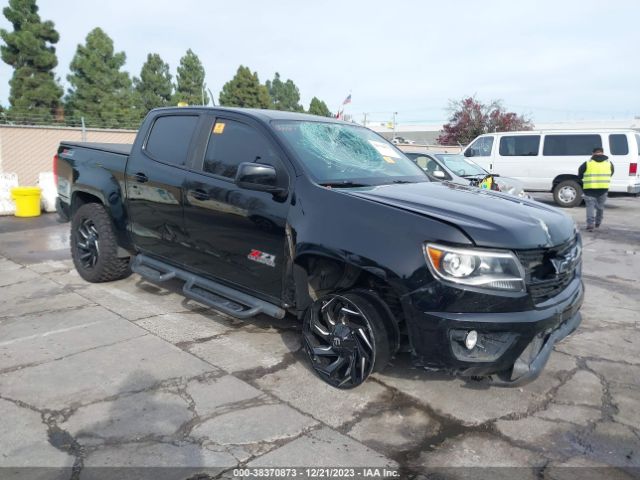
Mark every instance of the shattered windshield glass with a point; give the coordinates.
(353, 155)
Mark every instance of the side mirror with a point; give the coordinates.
(438, 174)
(259, 177)
(469, 152)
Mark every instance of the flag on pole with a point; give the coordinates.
(347, 100)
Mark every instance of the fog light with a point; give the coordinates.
(471, 339)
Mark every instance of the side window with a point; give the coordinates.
(618, 144)
(170, 138)
(482, 147)
(638, 142)
(519, 145)
(430, 166)
(232, 143)
(564, 145)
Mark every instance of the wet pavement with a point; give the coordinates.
(132, 374)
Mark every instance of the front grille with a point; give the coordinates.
(550, 270)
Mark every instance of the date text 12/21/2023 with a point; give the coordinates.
(309, 473)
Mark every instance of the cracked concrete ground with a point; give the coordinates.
(132, 374)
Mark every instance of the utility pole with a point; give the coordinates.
(365, 120)
(84, 130)
(394, 125)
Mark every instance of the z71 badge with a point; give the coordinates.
(262, 257)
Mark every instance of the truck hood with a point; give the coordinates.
(490, 219)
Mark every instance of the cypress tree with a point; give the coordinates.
(190, 86)
(245, 90)
(284, 95)
(154, 87)
(100, 92)
(34, 92)
(318, 107)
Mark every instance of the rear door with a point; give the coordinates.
(236, 235)
(154, 180)
(563, 153)
(622, 153)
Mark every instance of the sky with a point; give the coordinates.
(559, 60)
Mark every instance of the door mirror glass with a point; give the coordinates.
(257, 176)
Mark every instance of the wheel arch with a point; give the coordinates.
(320, 273)
(82, 197)
(564, 176)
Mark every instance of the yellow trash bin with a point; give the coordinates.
(27, 201)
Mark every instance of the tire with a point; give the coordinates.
(567, 194)
(346, 338)
(94, 248)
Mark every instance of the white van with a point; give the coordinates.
(548, 161)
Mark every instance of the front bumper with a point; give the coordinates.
(513, 347)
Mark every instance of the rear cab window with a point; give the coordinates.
(519, 145)
(618, 144)
(170, 138)
(571, 144)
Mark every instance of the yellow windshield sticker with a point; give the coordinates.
(384, 149)
(218, 128)
(388, 159)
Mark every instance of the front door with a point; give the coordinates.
(154, 181)
(236, 235)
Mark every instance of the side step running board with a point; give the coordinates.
(220, 297)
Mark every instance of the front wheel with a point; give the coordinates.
(94, 248)
(568, 194)
(345, 338)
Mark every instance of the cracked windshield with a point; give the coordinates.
(345, 155)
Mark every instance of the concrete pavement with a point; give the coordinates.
(132, 374)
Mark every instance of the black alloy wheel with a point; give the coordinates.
(94, 247)
(87, 242)
(345, 338)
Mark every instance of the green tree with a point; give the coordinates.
(100, 92)
(284, 95)
(318, 107)
(245, 90)
(34, 92)
(190, 86)
(153, 88)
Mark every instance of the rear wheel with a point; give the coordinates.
(94, 248)
(568, 194)
(345, 338)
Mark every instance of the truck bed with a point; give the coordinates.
(120, 148)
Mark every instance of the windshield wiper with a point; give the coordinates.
(344, 184)
(403, 181)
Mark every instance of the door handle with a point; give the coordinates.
(200, 194)
(141, 177)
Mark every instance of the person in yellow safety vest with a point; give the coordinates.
(595, 174)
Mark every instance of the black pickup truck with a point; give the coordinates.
(267, 212)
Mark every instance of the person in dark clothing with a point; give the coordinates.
(595, 174)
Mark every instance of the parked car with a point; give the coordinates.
(548, 161)
(456, 168)
(402, 141)
(270, 212)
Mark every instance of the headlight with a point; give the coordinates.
(489, 269)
